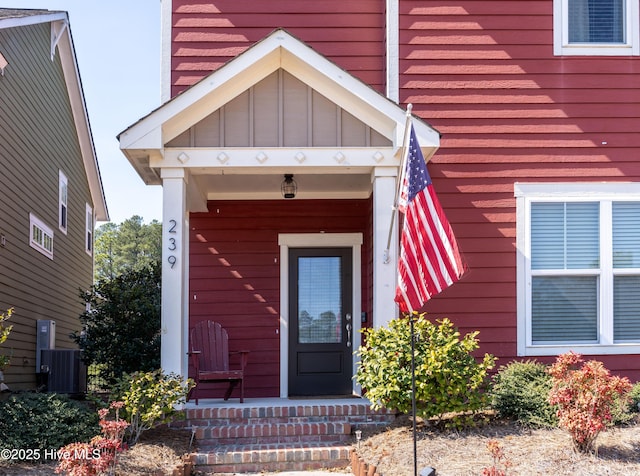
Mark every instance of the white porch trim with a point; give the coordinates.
(313, 240)
(384, 273)
(175, 273)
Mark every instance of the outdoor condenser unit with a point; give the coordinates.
(45, 339)
(67, 371)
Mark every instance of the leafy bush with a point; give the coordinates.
(585, 393)
(121, 329)
(100, 455)
(149, 399)
(521, 391)
(44, 421)
(448, 377)
(4, 335)
(634, 398)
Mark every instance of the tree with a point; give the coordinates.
(121, 327)
(132, 245)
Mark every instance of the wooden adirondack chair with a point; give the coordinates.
(209, 355)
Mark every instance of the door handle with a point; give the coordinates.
(348, 327)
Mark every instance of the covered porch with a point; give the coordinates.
(224, 146)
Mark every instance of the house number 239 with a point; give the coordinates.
(173, 245)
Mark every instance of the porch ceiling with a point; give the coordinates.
(252, 186)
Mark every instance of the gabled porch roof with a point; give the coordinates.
(256, 171)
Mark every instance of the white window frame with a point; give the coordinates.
(605, 194)
(40, 236)
(63, 201)
(89, 227)
(562, 47)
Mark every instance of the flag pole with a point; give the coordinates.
(401, 172)
(413, 394)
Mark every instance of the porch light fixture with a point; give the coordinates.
(289, 186)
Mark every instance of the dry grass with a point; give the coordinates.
(531, 452)
(158, 452)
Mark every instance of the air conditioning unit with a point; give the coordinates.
(45, 339)
(67, 373)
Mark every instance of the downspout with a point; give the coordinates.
(393, 50)
(165, 61)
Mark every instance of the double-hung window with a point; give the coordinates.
(40, 236)
(63, 198)
(89, 224)
(578, 268)
(596, 27)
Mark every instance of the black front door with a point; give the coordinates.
(320, 322)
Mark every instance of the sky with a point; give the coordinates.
(117, 46)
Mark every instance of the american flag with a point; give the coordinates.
(429, 258)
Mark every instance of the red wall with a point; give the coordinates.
(483, 73)
(207, 34)
(235, 271)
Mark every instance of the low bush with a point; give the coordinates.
(521, 391)
(448, 377)
(634, 398)
(149, 399)
(44, 421)
(585, 393)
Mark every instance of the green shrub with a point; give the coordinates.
(44, 421)
(521, 391)
(149, 399)
(448, 377)
(634, 398)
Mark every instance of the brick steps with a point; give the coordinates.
(278, 435)
(255, 458)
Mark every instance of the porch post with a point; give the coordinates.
(175, 274)
(384, 273)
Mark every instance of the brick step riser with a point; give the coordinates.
(276, 429)
(326, 455)
(219, 442)
(246, 415)
(353, 420)
(234, 469)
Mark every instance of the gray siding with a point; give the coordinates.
(280, 111)
(37, 139)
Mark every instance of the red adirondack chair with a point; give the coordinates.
(209, 355)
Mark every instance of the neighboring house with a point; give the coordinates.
(530, 128)
(50, 188)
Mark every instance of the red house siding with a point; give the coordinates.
(207, 34)
(483, 73)
(235, 271)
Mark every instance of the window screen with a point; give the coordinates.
(596, 21)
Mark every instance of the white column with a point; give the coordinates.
(384, 265)
(175, 272)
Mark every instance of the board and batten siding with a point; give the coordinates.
(280, 111)
(206, 35)
(483, 74)
(235, 271)
(37, 140)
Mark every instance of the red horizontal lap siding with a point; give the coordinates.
(207, 34)
(235, 271)
(483, 73)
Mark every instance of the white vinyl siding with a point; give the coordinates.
(596, 27)
(578, 268)
(40, 236)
